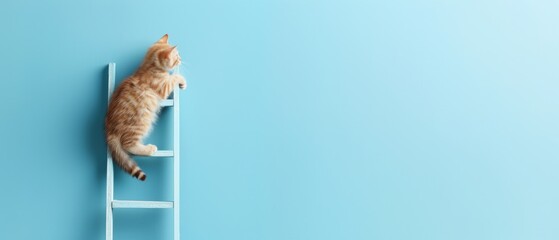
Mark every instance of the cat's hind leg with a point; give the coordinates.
(142, 150)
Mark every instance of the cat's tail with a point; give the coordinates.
(123, 160)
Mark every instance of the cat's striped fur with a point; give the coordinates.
(134, 105)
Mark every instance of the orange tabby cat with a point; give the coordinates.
(135, 103)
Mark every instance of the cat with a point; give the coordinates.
(134, 105)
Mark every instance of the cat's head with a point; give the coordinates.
(163, 54)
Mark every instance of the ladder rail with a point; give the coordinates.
(176, 164)
(110, 167)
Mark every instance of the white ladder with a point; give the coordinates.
(112, 203)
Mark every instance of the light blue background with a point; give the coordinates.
(305, 120)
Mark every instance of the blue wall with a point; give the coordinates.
(308, 119)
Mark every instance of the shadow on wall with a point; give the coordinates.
(94, 203)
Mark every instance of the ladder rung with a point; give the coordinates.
(163, 153)
(141, 204)
(160, 153)
(166, 103)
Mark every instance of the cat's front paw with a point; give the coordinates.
(182, 85)
(180, 80)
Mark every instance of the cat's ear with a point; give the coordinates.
(164, 39)
(167, 53)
